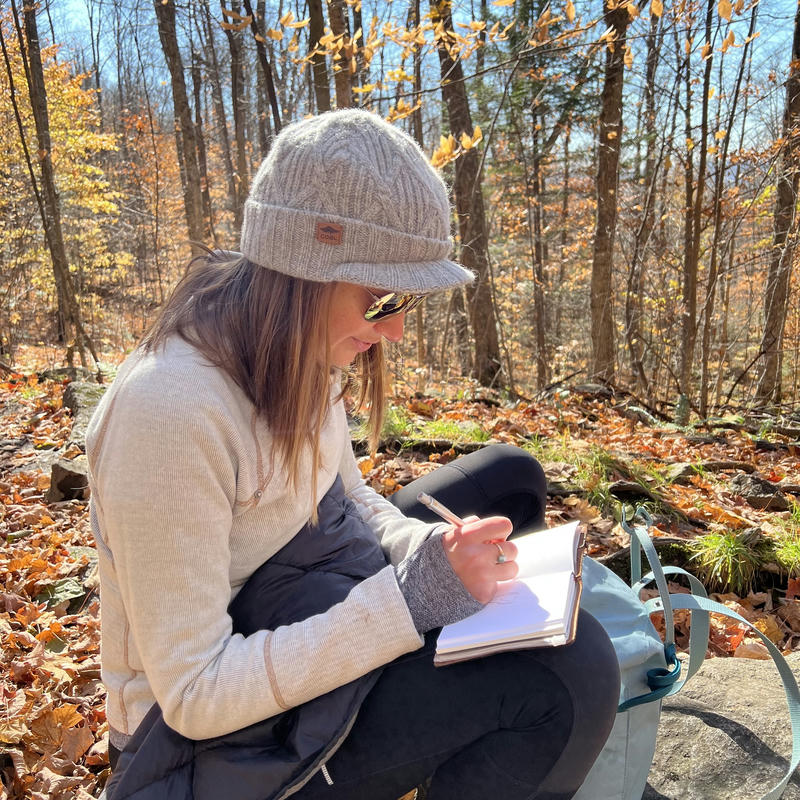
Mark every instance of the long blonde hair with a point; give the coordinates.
(269, 332)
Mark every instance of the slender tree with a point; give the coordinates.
(238, 102)
(634, 294)
(184, 124)
(468, 193)
(695, 185)
(319, 69)
(202, 158)
(342, 73)
(266, 67)
(717, 251)
(213, 71)
(69, 316)
(776, 295)
(616, 17)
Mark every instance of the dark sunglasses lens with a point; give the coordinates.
(389, 304)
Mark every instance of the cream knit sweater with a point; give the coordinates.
(187, 502)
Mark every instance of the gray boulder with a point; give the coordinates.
(81, 398)
(759, 493)
(69, 480)
(726, 735)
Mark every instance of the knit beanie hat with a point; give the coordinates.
(345, 196)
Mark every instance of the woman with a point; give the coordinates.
(264, 611)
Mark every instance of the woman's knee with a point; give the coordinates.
(518, 468)
(499, 479)
(512, 482)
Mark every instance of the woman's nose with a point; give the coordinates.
(391, 328)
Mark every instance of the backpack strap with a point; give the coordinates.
(700, 628)
(660, 680)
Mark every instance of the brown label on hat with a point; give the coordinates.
(329, 233)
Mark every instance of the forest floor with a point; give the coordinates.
(597, 453)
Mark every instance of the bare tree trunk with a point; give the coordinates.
(776, 295)
(635, 289)
(533, 200)
(539, 256)
(165, 14)
(341, 61)
(469, 207)
(616, 17)
(202, 162)
(322, 89)
(695, 190)
(362, 71)
(49, 206)
(239, 105)
(726, 360)
(262, 118)
(266, 67)
(719, 185)
(563, 235)
(219, 109)
(94, 39)
(156, 200)
(457, 313)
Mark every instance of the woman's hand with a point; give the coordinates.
(473, 550)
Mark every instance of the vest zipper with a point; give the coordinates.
(326, 774)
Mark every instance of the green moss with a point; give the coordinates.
(452, 430)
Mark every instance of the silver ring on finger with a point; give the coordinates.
(501, 557)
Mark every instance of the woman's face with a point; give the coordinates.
(348, 332)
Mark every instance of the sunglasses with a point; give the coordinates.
(390, 304)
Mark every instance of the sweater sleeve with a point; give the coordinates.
(164, 488)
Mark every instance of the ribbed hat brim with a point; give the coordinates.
(414, 277)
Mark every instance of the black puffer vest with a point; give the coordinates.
(266, 761)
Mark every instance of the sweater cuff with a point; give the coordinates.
(433, 592)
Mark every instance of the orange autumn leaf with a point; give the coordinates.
(793, 588)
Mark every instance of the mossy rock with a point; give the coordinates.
(671, 552)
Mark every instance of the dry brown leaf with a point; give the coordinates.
(769, 626)
(55, 786)
(47, 729)
(752, 649)
(98, 752)
(76, 741)
(790, 614)
(13, 730)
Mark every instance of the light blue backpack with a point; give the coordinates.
(650, 669)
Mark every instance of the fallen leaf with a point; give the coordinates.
(770, 628)
(366, 465)
(790, 614)
(752, 649)
(76, 741)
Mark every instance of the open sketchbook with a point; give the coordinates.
(539, 608)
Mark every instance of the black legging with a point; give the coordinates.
(526, 724)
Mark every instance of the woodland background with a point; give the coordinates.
(624, 174)
(624, 177)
